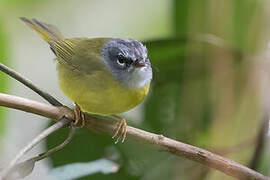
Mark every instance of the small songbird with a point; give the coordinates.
(104, 76)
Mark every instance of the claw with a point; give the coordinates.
(78, 116)
(124, 131)
(121, 125)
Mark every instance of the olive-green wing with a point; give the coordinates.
(82, 54)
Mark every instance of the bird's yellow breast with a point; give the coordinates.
(99, 92)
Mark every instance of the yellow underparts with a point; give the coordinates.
(99, 92)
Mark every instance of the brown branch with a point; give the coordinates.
(177, 148)
(29, 84)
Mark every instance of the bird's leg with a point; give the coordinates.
(121, 127)
(78, 116)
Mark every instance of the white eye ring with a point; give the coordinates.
(121, 60)
(120, 63)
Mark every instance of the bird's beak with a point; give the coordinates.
(140, 63)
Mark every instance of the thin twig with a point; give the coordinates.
(61, 123)
(177, 148)
(25, 168)
(57, 148)
(30, 85)
(260, 143)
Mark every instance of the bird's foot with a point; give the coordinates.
(121, 129)
(79, 119)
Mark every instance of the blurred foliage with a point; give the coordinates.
(201, 94)
(265, 163)
(19, 2)
(3, 77)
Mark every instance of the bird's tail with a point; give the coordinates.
(46, 31)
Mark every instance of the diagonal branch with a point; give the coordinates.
(177, 148)
(29, 84)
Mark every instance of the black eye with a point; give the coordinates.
(121, 60)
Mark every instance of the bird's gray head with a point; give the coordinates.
(128, 62)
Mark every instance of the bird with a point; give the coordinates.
(104, 76)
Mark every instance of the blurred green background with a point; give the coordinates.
(209, 89)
